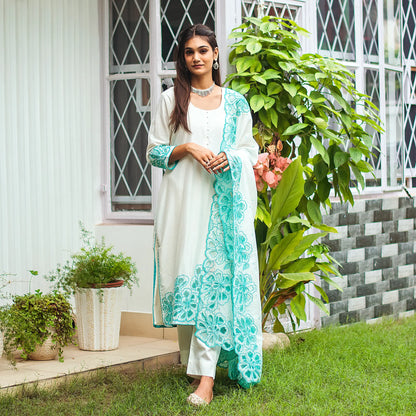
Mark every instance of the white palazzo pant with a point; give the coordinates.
(199, 359)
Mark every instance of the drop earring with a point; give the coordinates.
(215, 64)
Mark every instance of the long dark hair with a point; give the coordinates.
(182, 88)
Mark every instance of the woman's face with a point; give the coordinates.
(199, 56)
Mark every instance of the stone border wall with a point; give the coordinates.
(376, 247)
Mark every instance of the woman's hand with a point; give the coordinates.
(219, 163)
(211, 162)
(202, 155)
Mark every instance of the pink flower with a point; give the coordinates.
(259, 184)
(268, 170)
(258, 169)
(272, 158)
(263, 158)
(262, 163)
(271, 179)
(282, 163)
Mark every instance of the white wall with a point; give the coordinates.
(136, 242)
(50, 131)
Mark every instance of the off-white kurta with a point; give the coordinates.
(206, 271)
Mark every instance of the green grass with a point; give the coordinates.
(356, 370)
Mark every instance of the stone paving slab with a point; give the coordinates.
(133, 353)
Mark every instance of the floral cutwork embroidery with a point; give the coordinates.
(216, 288)
(212, 328)
(159, 156)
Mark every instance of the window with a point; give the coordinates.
(336, 29)
(286, 9)
(141, 43)
(368, 41)
(130, 100)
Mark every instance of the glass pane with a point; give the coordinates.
(129, 36)
(130, 122)
(370, 26)
(250, 8)
(410, 120)
(410, 138)
(394, 128)
(372, 89)
(409, 29)
(392, 38)
(177, 15)
(336, 27)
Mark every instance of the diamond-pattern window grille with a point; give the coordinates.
(177, 15)
(249, 8)
(372, 85)
(392, 36)
(370, 29)
(410, 138)
(130, 111)
(409, 29)
(129, 36)
(394, 127)
(410, 119)
(336, 29)
(409, 55)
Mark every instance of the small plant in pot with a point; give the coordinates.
(95, 276)
(95, 266)
(37, 320)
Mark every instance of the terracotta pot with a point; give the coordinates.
(47, 351)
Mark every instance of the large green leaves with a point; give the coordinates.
(289, 192)
(282, 251)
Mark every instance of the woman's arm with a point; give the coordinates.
(159, 148)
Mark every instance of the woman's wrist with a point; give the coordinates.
(188, 147)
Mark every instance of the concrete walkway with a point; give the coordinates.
(134, 353)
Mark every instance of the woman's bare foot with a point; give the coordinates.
(205, 388)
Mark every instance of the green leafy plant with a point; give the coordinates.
(94, 266)
(32, 318)
(4, 283)
(289, 255)
(308, 105)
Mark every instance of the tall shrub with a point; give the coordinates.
(305, 107)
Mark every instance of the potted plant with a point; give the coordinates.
(37, 324)
(95, 276)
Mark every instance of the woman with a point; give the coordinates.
(206, 272)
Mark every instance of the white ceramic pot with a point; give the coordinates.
(98, 318)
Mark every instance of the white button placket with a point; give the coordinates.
(207, 130)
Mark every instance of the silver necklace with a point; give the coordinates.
(203, 93)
